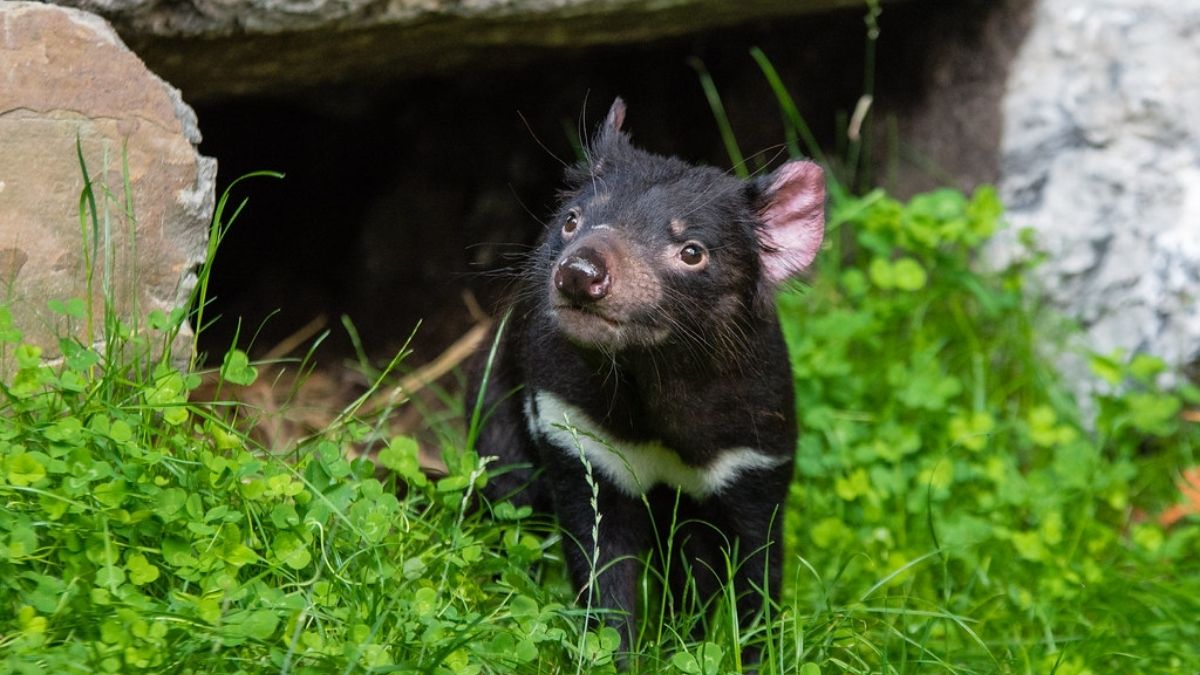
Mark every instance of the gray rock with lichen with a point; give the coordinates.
(1101, 157)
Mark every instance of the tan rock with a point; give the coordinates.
(65, 77)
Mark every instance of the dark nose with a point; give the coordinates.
(582, 276)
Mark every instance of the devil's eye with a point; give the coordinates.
(571, 223)
(692, 253)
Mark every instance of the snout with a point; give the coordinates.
(604, 293)
(582, 277)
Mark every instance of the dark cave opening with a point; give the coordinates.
(400, 196)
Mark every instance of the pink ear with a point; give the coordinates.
(607, 137)
(616, 115)
(792, 209)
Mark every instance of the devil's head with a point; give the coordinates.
(648, 251)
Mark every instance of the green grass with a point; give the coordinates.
(949, 504)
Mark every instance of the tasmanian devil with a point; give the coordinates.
(643, 356)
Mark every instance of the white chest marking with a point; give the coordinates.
(637, 467)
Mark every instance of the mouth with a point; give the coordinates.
(586, 314)
(590, 328)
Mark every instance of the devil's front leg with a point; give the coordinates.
(603, 543)
(503, 432)
(752, 511)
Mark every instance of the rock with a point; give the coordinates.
(66, 76)
(213, 48)
(1101, 157)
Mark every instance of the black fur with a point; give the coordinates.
(705, 370)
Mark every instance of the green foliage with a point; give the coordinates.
(950, 511)
(950, 507)
(140, 531)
